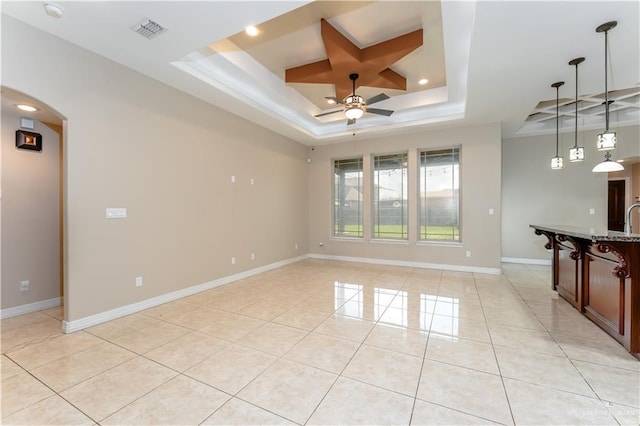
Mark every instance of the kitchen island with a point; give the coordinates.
(598, 272)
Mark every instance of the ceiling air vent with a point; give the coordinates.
(149, 29)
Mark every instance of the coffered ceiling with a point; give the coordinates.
(485, 61)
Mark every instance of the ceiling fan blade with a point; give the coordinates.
(377, 98)
(379, 111)
(351, 121)
(334, 99)
(327, 113)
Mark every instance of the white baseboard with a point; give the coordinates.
(525, 261)
(458, 268)
(29, 308)
(79, 324)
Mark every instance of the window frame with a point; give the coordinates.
(334, 234)
(426, 241)
(406, 194)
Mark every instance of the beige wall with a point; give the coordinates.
(168, 158)
(480, 191)
(532, 193)
(30, 216)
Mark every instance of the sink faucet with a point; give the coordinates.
(627, 224)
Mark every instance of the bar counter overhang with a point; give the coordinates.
(598, 272)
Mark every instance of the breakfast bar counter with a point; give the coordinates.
(598, 272)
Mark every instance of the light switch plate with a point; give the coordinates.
(116, 213)
(27, 123)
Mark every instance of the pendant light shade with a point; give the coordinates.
(557, 161)
(607, 165)
(577, 152)
(607, 139)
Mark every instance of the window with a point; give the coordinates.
(347, 198)
(390, 196)
(440, 195)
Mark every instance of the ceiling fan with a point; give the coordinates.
(355, 106)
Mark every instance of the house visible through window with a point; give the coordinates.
(440, 195)
(390, 196)
(347, 198)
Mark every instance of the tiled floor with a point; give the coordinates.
(321, 342)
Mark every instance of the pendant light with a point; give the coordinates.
(606, 139)
(577, 152)
(556, 162)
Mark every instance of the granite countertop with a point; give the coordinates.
(594, 235)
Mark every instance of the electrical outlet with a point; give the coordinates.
(321, 244)
(253, 182)
(490, 212)
(24, 285)
(468, 253)
(138, 281)
(295, 246)
(592, 211)
(233, 260)
(253, 256)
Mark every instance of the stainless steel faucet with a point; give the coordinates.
(627, 224)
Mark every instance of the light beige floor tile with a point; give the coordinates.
(324, 303)
(350, 402)
(462, 352)
(472, 392)
(460, 327)
(21, 391)
(9, 368)
(20, 321)
(50, 411)
(16, 337)
(56, 312)
(426, 413)
(345, 328)
(231, 368)
(241, 413)
(612, 384)
(264, 310)
(541, 369)
(106, 393)
(53, 348)
(198, 317)
(626, 416)
(301, 317)
(231, 304)
(358, 309)
(537, 405)
(272, 338)
(73, 369)
(120, 326)
(289, 389)
(390, 370)
(400, 339)
(324, 352)
(148, 338)
(180, 401)
(168, 311)
(187, 351)
(604, 350)
(525, 339)
(232, 326)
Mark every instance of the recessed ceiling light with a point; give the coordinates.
(53, 10)
(423, 81)
(252, 31)
(331, 101)
(620, 161)
(27, 108)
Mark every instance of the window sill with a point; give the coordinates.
(389, 241)
(351, 239)
(457, 244)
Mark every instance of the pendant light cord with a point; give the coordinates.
(557, 116)
(575, 143)
(606, 91)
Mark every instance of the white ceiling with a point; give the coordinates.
(500, 57)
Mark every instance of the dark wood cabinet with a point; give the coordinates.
(599, 274)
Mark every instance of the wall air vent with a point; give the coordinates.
(148, 28)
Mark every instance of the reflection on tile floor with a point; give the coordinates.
(323, 342)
